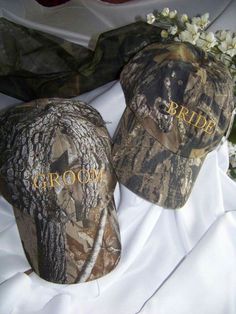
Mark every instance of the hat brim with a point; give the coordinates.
(148, 168)
(76, 256)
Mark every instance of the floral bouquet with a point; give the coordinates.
(222, 44)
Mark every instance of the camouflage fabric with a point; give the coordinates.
(35, 65)
(179, 104)
(55, 170)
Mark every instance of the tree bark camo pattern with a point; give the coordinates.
(155, 154)
(59, 225)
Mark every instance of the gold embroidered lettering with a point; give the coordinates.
(69, 177)
(210, 127)
(96, 175)
(191, 117)
(172, 108)
(72, 176)
(53, 177)
(182, 114)
(35, 181)
(200, 119)
(81, 177)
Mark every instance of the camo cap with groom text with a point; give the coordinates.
(179, 105)
(56, 172)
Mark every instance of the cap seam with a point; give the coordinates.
(140, 123)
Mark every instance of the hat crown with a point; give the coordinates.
(55, 171)
(182, 96)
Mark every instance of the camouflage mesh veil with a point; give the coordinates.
(35, 65)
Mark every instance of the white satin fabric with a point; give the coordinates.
(173, 262)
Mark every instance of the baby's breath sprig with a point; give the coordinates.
(183, 28)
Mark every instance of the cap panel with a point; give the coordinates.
(147, 168)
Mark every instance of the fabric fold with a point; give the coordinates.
(40, 65)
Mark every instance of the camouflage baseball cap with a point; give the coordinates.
(179, 104)
(56, 172)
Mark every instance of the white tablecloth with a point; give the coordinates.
(173, 262)
(186, 258)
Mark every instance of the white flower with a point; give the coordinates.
(232, 154)
(201, 21)
(172, 14)
(190, 35)
(184, 18)
(165, 12)
(223, 46)
(228, 45)
(206, 41)
(232, 148)
(232, 52)
(192, 28)
(151, 18)
(187, 36)
(164, 34)
(176, 38)
(173, 30)
(222, 35)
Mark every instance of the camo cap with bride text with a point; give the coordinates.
(179, 104)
